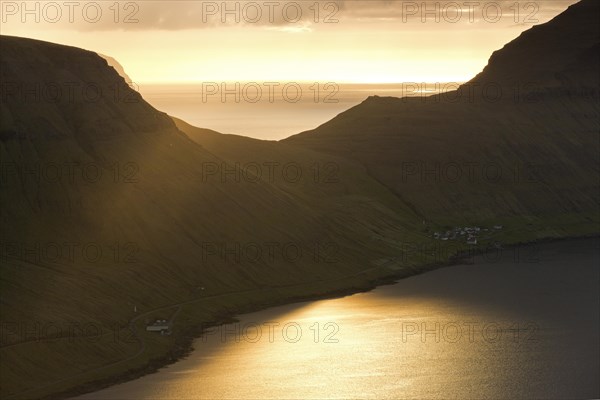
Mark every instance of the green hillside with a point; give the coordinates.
(114, 215)
(518, 145)
(110, 212)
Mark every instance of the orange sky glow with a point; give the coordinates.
(304, 41)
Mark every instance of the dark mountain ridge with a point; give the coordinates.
(111, 217)
(174, 208)
(562, 53)
(532, 116)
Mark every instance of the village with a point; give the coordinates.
(470, 234)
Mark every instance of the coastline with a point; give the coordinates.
(183, 343)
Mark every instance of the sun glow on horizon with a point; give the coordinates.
(369, 44)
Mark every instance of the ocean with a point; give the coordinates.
(269, 111)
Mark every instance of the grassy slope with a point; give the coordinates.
(368, 208)
(443, 155)
(162, 220)
(445, 160)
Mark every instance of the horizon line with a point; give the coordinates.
(305, 82)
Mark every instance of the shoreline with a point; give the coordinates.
(183, 343)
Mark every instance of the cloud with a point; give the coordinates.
(293, 15)
(445, 11)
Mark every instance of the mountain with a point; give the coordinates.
(113, 214)
(112, 217)
(517, 145)
(562, 54)
(117, 66)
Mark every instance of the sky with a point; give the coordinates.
(374, 41)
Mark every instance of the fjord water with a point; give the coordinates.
(518, 323)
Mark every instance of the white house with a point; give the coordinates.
(160, 325)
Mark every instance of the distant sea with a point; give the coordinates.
(269, 111)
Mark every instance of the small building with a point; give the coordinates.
(472, 240)
(160, 325)
(498, 227)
